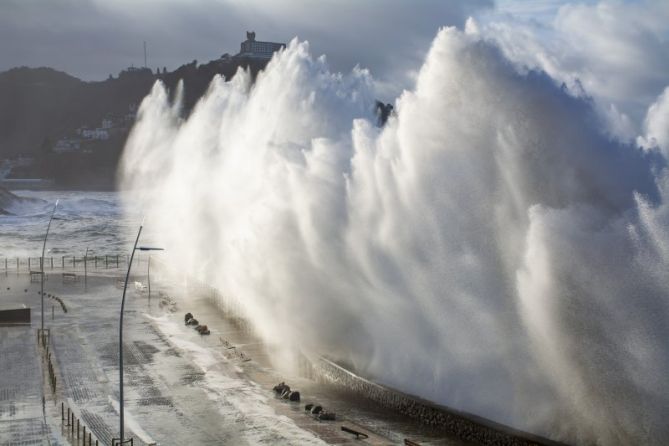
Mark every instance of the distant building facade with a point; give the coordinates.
(256, 49)
(65, 145)
(98, 133)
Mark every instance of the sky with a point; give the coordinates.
(91, 39)
(618, 50)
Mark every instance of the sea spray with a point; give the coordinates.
(489, 248)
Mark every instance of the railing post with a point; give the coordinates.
(62, 265)
(51, 262)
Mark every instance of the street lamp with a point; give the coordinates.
(148, 277)
(120, 327)
(42, 270)
(86, 268)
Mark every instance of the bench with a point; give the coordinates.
(70, 277)
(357, 434)
(36, 276)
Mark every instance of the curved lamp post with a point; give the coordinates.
(120, 329)
(42, 270)
(86, 268)
(148, 276)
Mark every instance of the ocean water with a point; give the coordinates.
(83, 220)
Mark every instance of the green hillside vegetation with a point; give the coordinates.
(41, 106)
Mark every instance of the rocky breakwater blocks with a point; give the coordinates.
(465, 426)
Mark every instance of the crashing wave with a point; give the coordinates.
(490, 248)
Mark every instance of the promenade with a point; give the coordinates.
(180, 387)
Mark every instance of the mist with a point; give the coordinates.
(490, 248)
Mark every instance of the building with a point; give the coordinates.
(95, 133)
(258, 50)
(65, 145)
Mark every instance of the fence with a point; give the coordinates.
(69, 262)
(70, 424)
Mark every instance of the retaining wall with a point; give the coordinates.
(12, 316)
(465, 426)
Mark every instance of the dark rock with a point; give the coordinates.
(280, 388)
(326, 416)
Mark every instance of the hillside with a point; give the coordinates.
(43, 110)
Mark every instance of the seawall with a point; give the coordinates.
(465, 426)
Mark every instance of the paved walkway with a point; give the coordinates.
(21, 420)
(180, 388)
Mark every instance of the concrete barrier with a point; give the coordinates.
(463, 425)
(14, 315)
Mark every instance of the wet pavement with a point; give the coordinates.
(21, 418)
(180, 387)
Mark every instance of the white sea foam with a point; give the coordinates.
(490, 248)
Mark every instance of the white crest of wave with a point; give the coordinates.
(488, 248)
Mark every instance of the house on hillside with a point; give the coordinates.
(98, 133)
(65, 145)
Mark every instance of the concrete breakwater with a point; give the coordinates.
(465, 426)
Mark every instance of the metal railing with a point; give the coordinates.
(68, 262)
(71, 421)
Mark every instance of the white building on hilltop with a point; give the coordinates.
(256, 49)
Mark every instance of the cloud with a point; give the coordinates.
(656, 125)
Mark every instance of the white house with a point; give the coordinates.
(65, 145)
(99, 133)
